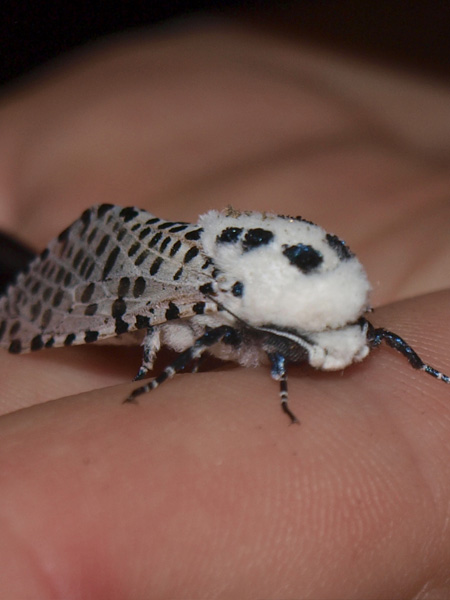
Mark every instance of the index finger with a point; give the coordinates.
(203, 489)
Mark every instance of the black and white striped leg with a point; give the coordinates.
(278, 372)
(376, 336)
(151, 346)
(196, 364)
(211, 337)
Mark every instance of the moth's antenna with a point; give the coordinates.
(224, 308)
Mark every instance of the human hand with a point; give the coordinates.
(203, 489)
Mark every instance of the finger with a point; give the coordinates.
(29, 379)
(204, 490)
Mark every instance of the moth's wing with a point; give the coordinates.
(114, 270)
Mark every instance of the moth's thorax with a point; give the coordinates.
(326, 288)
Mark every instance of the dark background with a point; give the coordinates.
(410, 33)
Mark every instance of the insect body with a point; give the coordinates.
(247, 287)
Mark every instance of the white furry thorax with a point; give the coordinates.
(276, 291)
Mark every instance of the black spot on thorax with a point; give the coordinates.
(339, 246)
(254, 238)
(229, 235)
(304, 257)
(238, 289)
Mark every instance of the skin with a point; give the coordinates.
(204, 489)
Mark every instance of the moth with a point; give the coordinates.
(244, 286)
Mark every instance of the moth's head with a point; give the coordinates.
(285, 271)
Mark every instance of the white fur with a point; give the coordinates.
(335, 350)
(275, 291)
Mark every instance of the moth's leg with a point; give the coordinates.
(278, 372)
(232, 337)
(211, 337)
(151, 346)
(376, 335)
(196, 364)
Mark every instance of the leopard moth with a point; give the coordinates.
(244, 286)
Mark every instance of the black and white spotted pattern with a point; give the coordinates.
(249, 287)
(113, 271)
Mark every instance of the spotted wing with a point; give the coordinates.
(115, 270)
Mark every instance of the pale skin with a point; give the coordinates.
(204, 490)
